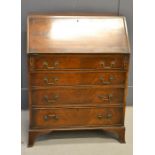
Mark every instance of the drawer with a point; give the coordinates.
(75, 61)
(77, 78)
(76, 117)
(75, 96)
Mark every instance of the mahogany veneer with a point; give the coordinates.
(78, 73)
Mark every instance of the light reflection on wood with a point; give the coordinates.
(72, 34)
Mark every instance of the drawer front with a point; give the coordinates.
(77, 78)
(75, 96)
(61, 61)
(76, 117)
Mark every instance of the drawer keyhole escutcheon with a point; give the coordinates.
(107, 116)
(46, 65)
(105, 97)
(47, 81)
(54, 98)
(111, 78)
(50, 116)
(112, 65)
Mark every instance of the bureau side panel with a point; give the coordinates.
(29, 63)
(126, 62)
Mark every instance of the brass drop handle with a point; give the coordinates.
(46, 65)
(50, 116)
(112, 64)
(105, 97)
(54, 98)
(54, 79)
(107, 116)
(99, 116)
(111, 78)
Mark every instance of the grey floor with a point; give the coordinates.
(77, 142)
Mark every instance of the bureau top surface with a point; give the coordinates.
(76, 34)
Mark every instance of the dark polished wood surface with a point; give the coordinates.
(48, 62)
(70, 117)
(77, 78)
(77, 34)
(78, 73)
(77, 96)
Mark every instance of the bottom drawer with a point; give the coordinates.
(76, 117)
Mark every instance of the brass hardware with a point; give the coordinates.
(125, 63)
(111, 78)
(106, 97)
(54, 98)
(51, 116)
(45, 117)
(99, 116)
(46, 65)
(107, 116)
(54, 79)
(112, 64)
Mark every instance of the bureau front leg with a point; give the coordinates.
(33, 135)
(120, 131)
(121, 135)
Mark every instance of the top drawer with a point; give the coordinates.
(50, 62)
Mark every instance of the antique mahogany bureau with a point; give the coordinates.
(78, 73)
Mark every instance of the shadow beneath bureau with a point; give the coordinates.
(110, 134)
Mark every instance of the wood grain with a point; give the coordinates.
(78, 73)
(47, 62)
(77, 78)
(76, 34)
(77, 96)
(71, 117)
